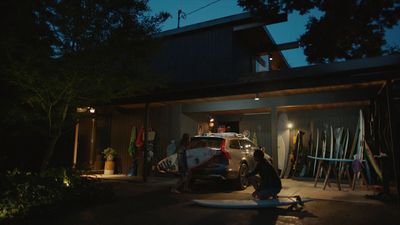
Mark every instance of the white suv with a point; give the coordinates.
(233, 160)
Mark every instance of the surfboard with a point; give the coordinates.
(331, 144)
(324, 137)
(360, 146)
(372, 160)
(359, 151)
(281, 152)
(338, 141)
(331, 159)
(311, 142)
(316, 152)
(195, 157)
(251, 204)
(299, 153)
(132, 140)
(283, 142)
(344, 151)
(355, 140)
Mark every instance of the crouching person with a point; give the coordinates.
(264, 178)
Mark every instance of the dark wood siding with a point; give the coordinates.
(121, 127)
(323, 119)
(199, 56)
(259, 124)
(243, 62)
(163, 120)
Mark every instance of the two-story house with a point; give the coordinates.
(216, 69)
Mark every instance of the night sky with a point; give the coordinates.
(282, 32)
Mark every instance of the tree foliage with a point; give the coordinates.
(60, 54)
(347, 29)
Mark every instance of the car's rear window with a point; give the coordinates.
(200, 142)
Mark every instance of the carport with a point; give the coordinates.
(332, 91)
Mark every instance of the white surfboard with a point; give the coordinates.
(283, 142)
(248, 204)
(281, 152)
(195, 157)
(331, 144)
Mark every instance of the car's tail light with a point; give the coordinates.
(223, 150)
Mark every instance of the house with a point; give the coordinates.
(217, 68)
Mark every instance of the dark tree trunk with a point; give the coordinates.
(49, 151)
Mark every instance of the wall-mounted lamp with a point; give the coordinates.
(92, 110)
(290, 125)
(211, 122)
(257, 97)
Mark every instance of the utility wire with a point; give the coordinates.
(183, 15)
(211, 3)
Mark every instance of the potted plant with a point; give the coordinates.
(109, 154)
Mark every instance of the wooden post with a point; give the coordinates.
(146, 144)
(92, 143)
(75, 145)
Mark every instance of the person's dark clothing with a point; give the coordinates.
(182, 162)
(269, 177)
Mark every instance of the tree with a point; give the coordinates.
(347, 29)
(91, 52)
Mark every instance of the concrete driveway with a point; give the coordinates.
(152, 203)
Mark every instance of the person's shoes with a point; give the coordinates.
(175, 191)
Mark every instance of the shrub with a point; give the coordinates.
(23, 193)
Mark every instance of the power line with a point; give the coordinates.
(183, 15)
(211, 3)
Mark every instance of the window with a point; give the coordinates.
(261, 63)
(234, 144)
(201, 142)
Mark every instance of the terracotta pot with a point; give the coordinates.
(109, 167)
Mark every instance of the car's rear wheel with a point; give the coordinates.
(242, 179)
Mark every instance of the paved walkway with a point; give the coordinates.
(307, 189)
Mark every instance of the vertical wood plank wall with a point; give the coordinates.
(169, 123)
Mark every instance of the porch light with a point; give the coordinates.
(211, 122)
(92, 110)
(290, 125)
(257, 97)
